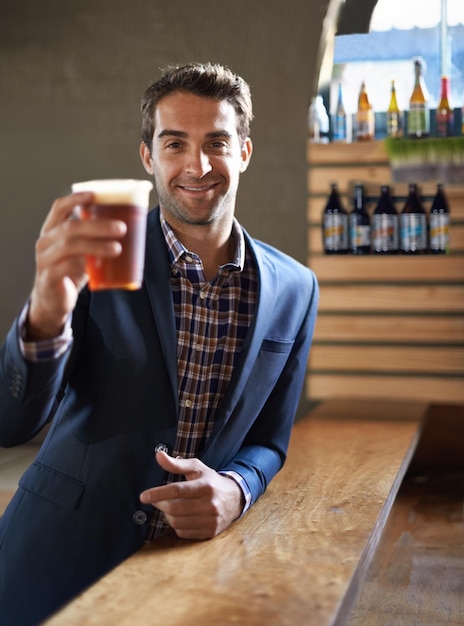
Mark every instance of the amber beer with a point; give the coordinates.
(125, 200)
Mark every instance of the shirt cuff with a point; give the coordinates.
(241, 482)
(46, 349)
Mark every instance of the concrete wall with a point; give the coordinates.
(71, 76)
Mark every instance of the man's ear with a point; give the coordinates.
(247, 150)
(145, 155)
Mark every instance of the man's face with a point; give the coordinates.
(196, 159)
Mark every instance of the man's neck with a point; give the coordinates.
(213, 248)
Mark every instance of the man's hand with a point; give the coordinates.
(61, 249)
(200, 507)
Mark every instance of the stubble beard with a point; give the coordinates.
(180, 211)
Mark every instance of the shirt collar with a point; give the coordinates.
(177, 250)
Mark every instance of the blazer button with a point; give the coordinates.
(161, 447)
(139, 518)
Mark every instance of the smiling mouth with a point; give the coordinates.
(201, 189)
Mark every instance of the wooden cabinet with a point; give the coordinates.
(389, 327)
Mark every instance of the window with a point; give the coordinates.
(400, 32)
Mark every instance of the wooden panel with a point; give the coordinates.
(379, 358)
(366, 410)
(320, 179)
(365, 152)
(392, 299)
(388, 387)
(411, 328)
(398, 268)
(375, 301)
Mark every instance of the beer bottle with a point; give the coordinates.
(419, 114)
(444, 113)
(339, 118)
(334, 224)
(439, 223)
(413, 224)
(365, 121)
(385, 225)
(318, 121)
(394, 117)
(360, 224)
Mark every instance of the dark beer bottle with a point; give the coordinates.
(334, 224)
(385, 225)
(360, 224)
(413, 224)
(439, 223)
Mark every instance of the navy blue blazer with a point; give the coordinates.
(77, 512)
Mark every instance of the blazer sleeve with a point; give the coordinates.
(31, 391)
(27, 391)
(264, 448)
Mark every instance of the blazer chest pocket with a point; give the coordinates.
(283, 347)
(272, 357)
(54, 486)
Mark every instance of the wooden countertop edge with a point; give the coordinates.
(360, 572)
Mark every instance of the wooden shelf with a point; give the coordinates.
(397, 268)
(367, 303)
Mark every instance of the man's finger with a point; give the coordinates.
(190, 468)
(64, 208)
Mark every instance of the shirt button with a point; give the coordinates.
(161, 447)
(197, 347)
(139, 518)
(188, 258)
(188, 404)
(202, 295)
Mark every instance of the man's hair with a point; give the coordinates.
(201, 79)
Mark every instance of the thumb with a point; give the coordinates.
(187, 467)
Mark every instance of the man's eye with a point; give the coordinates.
(173, 144)
(219, 145)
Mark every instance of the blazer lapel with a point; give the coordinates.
(159, 292)
(258, 330)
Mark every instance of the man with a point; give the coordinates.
(170, 406)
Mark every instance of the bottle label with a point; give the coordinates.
(444, 124)
(413, 232)
(360, 234)
(335, 232)
(394, 125)
(439, 231)
(384, 232)
(339, 128)
(417, 119)
(365, 124)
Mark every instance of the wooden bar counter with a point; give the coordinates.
(297, 557)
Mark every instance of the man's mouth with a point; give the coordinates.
(198, 188)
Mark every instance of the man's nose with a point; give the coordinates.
(198, 164)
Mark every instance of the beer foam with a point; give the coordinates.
(117, 191)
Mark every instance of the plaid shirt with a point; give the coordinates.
(212, 320)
